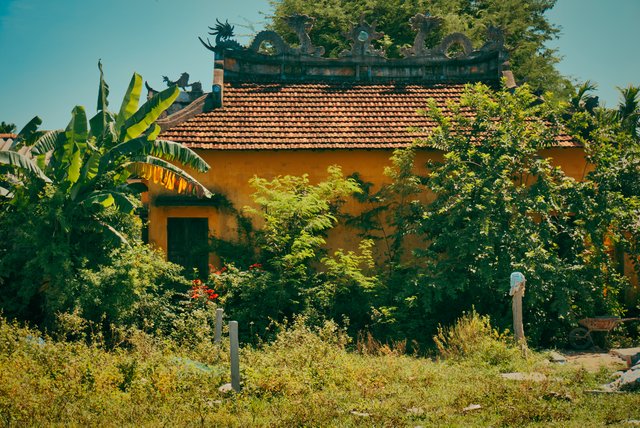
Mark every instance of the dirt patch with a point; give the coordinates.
(595, 361)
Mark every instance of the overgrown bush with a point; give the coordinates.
(136, 288)
(295, 216)
(472, 338)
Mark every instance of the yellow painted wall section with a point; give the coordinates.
(231, 171)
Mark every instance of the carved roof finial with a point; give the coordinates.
(224, 37)
(302, 25)
(361, 36)
(423, 24)
(495, 38)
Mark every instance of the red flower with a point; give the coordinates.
(255, 266)
(197, 282)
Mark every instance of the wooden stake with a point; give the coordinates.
(218, 332)
(235, 355)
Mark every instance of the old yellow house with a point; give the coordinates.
(277, 110)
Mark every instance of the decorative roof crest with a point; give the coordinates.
(302, 25)
(423, 24)
(224, 37)
(361, 36)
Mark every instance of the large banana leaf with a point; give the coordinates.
(142, 119)
(88, 172)
(164, 149)
(48, 142)
(73, 171)
(28, 133)
(18, 160)
(171, 151)
(73, 147)
(77, 131)
(103, 91)
(153, 132)
(167, 175)
(99, 123)
(106, 198)
(130, 101)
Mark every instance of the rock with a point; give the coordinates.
(555, 357)
(226, 388)
(361, 414)
(472, 407)
(536, 377)
(630, 355)
(629, 381)
(617, 374)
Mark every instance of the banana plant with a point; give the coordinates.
(15, 161)
(93, 161)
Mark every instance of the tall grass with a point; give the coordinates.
(305, 377)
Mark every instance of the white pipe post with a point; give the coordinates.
(235, 355)
(218, 327)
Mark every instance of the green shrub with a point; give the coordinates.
(473, 338)
(137, 288)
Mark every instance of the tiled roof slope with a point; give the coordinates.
(316, 115)
(6, 140)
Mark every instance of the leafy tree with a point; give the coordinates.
(69, 199)
(500, 207)
(7, 128)
(526, 27)
(295, 217)
(609, 200)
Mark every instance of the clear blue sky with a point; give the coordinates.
(49, 49)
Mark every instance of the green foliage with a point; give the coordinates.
(500, 207)
(526, 28)
(473, 338)
(135, 288)
(295, 216)
(346, 283)
(7, 128)
(67, 200)
(156, 382)
(609, 204)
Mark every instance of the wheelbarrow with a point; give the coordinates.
(580, 337)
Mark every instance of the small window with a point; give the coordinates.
(188, 244)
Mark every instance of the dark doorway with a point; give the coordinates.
(187, 244)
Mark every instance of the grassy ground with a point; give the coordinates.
(304, 378)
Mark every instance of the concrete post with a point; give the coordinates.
(218, 327)
(235, 355)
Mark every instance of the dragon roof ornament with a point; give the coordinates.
(361, 37)
(269, 56)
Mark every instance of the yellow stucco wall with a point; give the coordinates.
(231, 171)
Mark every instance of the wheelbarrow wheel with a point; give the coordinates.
(580, 338)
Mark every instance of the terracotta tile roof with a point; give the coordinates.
(6, 140)
(316, 115)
